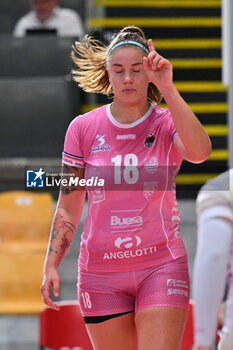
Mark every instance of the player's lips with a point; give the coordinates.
(128, 90)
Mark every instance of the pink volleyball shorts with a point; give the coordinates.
(102, 294)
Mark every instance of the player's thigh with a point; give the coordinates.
(160, 328)
(114, 334)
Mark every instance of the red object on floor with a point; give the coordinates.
(63, 328)
(188, 337)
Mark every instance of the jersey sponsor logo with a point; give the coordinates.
(177, 287)
(98, 195)
(172, 282)
(178, 234)
(151, 164)
(149, 188)
(172, 291)
(150, 140)
(126, 137)
(175, 208)
(101, 146)
(175, 219)
(175, 171)
(121, 222)
(125, 221)
(129, 253)
(101, 139)
(127, 242)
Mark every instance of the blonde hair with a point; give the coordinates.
(91, 59)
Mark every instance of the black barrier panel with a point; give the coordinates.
(40, 55)
(8, 11)
(34, 116)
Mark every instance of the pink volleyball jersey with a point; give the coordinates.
(133, 216)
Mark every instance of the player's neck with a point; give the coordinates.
(128, 114)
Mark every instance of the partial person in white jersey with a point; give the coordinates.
(133, 280)
(213, 266)
(46, 14)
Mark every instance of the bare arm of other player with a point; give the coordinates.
(65, 222)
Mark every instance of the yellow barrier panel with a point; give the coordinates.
(118, 22)
(25, 221)
(157, 3)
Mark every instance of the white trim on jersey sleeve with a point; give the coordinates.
(72, 160)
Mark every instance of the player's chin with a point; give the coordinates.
(130, 99)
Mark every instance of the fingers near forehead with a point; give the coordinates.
(151, 45)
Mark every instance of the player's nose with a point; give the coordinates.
(128, 77)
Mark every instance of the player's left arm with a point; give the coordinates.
(192, 141)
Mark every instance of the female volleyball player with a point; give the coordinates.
(133, 283)
(213, 267)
